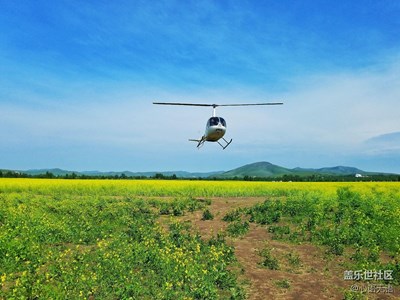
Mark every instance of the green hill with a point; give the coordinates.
(266, 169)
(258, 169)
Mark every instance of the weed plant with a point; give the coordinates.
(207, 215)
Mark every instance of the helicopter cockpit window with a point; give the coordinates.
(222, 122)
(213, 121)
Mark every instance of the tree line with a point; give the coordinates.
(284, 178)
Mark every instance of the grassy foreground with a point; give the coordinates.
(100, 239)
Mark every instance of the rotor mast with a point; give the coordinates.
(214, 110)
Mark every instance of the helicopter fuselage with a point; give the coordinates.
(215, 131)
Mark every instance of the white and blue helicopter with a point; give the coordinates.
(216, 126)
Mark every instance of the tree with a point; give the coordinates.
(49, 175)
(159, 176)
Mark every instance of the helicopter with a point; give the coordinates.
(216, 126)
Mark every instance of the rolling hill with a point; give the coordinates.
(258, 169)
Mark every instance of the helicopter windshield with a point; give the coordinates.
(214, 121)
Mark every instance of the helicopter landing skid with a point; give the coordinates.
(200, 142)
(226, 143)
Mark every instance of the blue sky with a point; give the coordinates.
(78, 78)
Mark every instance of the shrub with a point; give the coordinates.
(231, 216)
(238, 228)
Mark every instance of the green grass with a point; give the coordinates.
(284, 283)
(268, 260)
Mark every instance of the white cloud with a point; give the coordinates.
(329, 116)
(337, 110)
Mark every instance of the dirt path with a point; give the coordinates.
(305, 271)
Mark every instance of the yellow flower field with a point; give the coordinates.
(175, 188)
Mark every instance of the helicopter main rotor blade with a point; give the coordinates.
(216, 105)
(250, 104)
(186, 104)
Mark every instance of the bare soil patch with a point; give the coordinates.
(305, 270)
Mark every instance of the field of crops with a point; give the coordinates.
(137, 239)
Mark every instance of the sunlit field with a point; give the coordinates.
(146, 239)
(177, 188)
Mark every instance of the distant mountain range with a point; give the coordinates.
(255, 170)
(61, 172)
(266, 169)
